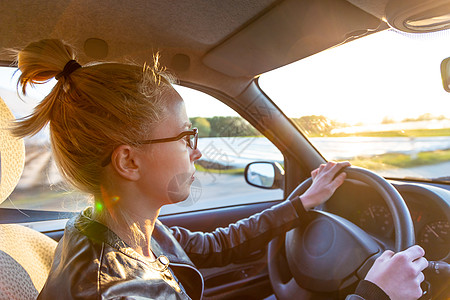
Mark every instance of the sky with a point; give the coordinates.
(387, 74)
(197, 103)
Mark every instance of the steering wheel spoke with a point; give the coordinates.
(324, 254)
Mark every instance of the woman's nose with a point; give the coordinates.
(196, 154)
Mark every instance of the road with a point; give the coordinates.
(209, 190)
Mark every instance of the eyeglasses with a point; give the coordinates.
(190, 135)
(191, 138)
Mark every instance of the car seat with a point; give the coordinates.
(26, 256)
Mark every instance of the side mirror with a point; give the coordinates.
(445, 74)
(264, 174)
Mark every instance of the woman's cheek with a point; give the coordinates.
(175, 174)
(180, 180)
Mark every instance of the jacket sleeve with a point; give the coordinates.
(367, 290)
(238, 240)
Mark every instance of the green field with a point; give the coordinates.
(399, 160)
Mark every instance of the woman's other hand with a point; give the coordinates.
(325, 182)
(399, 275)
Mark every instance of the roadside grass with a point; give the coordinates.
(230, 171)
(400, 160)
(402, 133)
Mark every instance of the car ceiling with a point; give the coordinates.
(217, 44)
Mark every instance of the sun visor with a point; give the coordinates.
(290, 31)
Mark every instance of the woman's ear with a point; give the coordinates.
(124, 160)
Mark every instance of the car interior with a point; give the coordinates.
(224, 49)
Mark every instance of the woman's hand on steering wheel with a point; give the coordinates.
(325, 182)
(399, 274)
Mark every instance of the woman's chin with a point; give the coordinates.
(177, 197)
(179, 187)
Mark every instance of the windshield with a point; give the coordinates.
(377, 101)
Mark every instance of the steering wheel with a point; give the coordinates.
(329, 254)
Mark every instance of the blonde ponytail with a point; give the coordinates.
(39, 62)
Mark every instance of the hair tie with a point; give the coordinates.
(70, 67)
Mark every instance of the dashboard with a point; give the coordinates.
(429, 207)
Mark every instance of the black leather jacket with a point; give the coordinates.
(91, 262)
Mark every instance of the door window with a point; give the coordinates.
(228, 143)
(226, 140)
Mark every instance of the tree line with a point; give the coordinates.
(310, 125)
(237, 126)
(317, 125)
(424, 117)
(223, 127)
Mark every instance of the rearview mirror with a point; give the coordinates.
(445, 74)
(264, 174)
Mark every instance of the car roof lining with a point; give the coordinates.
(191, 25)
(224, 44)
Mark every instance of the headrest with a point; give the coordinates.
(12, 154)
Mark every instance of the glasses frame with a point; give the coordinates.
(193, 132)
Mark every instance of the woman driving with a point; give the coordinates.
(120, 132)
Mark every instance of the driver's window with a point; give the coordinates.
(228, 143)
(226, 140)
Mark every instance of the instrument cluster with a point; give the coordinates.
(431, 225)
